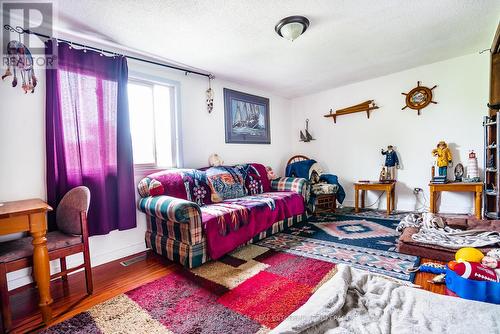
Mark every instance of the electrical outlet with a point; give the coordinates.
(417, 190)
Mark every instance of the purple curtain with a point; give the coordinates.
(88, 135)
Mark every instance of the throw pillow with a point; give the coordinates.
(225, 183)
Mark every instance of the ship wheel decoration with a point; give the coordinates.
(419, 97)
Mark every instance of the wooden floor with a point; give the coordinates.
(110, 279)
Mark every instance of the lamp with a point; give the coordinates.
(292, 27)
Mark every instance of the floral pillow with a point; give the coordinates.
(225, 183)
(197, 187)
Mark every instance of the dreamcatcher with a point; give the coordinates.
(20, 61)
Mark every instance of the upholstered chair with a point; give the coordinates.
(70, 238)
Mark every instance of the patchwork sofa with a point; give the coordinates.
(194, 216)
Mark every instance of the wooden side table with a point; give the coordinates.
(31, 216)
(475, 187)
(389, 188)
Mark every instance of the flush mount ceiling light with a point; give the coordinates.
(292, 27)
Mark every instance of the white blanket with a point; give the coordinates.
(355, 301)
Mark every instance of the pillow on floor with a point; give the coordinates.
(225, 183)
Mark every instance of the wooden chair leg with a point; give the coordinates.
(62, 262)
(4, 298)
(88, 270)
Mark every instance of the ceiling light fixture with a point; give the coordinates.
(292, 27)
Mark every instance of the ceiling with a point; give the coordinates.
(347, 41)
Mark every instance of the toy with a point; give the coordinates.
(214, 160)
(468, 254)
(391, 162)
(270, 173)
(475, 271)
(490, 262)
(492, 259)
(452, 264)
(443, 158)
(438, 279)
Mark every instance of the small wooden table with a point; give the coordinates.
(31, 216)
(389, 188)
(475, 187)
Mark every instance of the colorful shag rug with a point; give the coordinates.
(361, 242)
(250, 291)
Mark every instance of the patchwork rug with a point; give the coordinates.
(250, 291)
(361, 242)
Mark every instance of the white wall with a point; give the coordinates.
(351, 148)
(22, 148)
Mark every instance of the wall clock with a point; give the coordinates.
(419, 97)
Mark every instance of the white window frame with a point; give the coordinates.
(175, 105)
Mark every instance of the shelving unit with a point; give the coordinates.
(491, 194)
(491, 199)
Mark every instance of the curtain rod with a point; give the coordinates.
(21, 30)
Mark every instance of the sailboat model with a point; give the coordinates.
(307, 137)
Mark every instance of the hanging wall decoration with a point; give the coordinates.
(20, 61)
(210, 95)
(247, 118)
(419, 97)
(307, 136)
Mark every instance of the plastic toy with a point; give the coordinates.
(475, 271)
(468, 254)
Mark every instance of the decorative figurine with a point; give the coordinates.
(444, 159)
(391, 162)
(270, 173)
(214, 160)
(472, 168)
(459, 172)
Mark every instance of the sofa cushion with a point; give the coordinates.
(188, 184)
(233, 222)
(255, 176)
(225, 183)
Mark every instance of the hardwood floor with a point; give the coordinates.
(110, 280)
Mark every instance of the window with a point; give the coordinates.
(153, 123)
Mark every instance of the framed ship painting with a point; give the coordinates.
(246, 118)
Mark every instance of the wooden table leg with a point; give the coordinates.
(393, 195)
(363, 196)
(478, 204)
(356, 199)
(388, 196)
(41, 266)
(432, 200)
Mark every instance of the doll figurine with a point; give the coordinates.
(444, 159)
(391, 162)
(270, 173)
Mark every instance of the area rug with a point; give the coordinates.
(371, 213)
(250, 291)
(363, 243)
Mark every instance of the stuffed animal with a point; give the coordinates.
(270, 173)
(475, 271)
(492, 259)
(214, 160)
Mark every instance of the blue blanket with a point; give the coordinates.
(301, 169)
